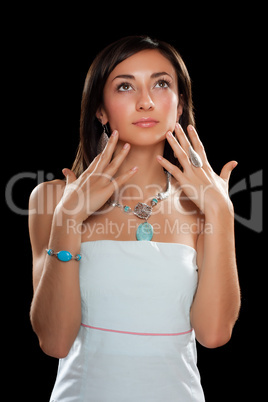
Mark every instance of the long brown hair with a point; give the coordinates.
(92, 99)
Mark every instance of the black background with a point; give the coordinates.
(46, 57)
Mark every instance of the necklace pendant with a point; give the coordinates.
(145, 231)
(142, 210)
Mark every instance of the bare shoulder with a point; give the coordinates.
(45, 195)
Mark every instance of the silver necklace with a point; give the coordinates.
(142, 210)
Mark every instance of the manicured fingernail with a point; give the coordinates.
(114, 134)
(159, 157)
(169, 134)
(134, 169)
(126, 146)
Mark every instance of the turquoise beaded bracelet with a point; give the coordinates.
(64, 255)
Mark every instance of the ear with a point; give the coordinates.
(180, 107)
(101, 115)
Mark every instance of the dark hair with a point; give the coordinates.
(99, 71)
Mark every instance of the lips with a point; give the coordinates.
(145, 122)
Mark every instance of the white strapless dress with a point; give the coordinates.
(135, 342)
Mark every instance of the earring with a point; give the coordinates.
(102, 141)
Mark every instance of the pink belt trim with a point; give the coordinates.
(137, 333)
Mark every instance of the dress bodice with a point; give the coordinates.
(135, 341)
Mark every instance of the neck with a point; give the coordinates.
(150, 177)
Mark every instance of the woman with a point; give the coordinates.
(140, 255)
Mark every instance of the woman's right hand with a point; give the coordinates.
(85, 195)
(56, 305)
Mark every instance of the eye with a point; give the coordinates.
(162, 84)
(124, 87)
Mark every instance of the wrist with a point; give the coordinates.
(223, 209)
(66, 229)
(63, 255)
(63, 217)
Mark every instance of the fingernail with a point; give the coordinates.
(134, 169)
(159, 157)
(65, 172)
(169, 134)
(114, 134)
(126, 146)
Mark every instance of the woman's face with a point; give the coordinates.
(141, 98)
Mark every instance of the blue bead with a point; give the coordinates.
(64, 256)
(50, 252)
(145, 231)
(126, 209)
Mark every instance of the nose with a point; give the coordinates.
(144, 102)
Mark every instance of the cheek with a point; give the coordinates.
(117, 111)
(169, 107)
(169, 103)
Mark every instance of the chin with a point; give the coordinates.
(144, 136)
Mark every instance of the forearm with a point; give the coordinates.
(56, 306)
(217, 300)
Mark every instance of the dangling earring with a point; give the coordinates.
(102, 141)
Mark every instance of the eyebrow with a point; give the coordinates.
(131, 77)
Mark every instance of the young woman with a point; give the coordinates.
(134, 253)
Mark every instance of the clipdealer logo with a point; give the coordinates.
(252, 186)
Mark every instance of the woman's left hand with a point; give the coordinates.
(200, 184)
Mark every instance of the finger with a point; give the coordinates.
(182, 137)
(178, 150)
(103, 158)
(197, 144)
(172, 169)
(69, 174)
(117, 161)
(107, 153)
(120, 180)
(88, 171)
(227, 170)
